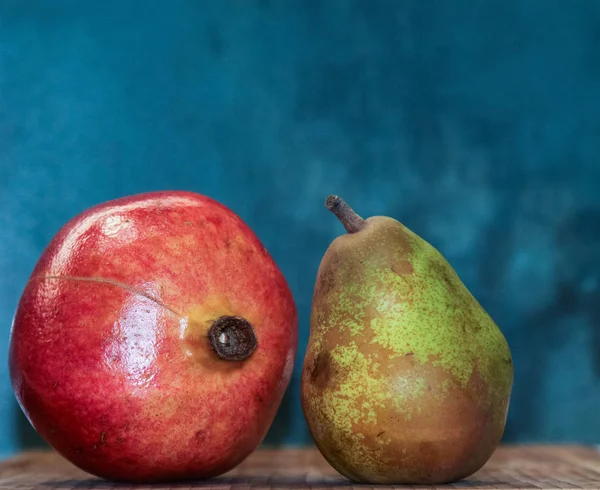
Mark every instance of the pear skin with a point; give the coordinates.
(406, 378)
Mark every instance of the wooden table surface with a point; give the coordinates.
(541, 467)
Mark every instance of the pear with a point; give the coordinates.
(406, 378)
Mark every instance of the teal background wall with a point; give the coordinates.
(475, 123)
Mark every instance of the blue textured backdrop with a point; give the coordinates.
(475, 123)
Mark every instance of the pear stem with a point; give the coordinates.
(351, 221)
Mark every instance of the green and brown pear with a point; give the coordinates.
(406, 378)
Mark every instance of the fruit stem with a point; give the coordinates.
(232, 338)
(351, 221)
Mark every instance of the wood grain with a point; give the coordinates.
(518, 467)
